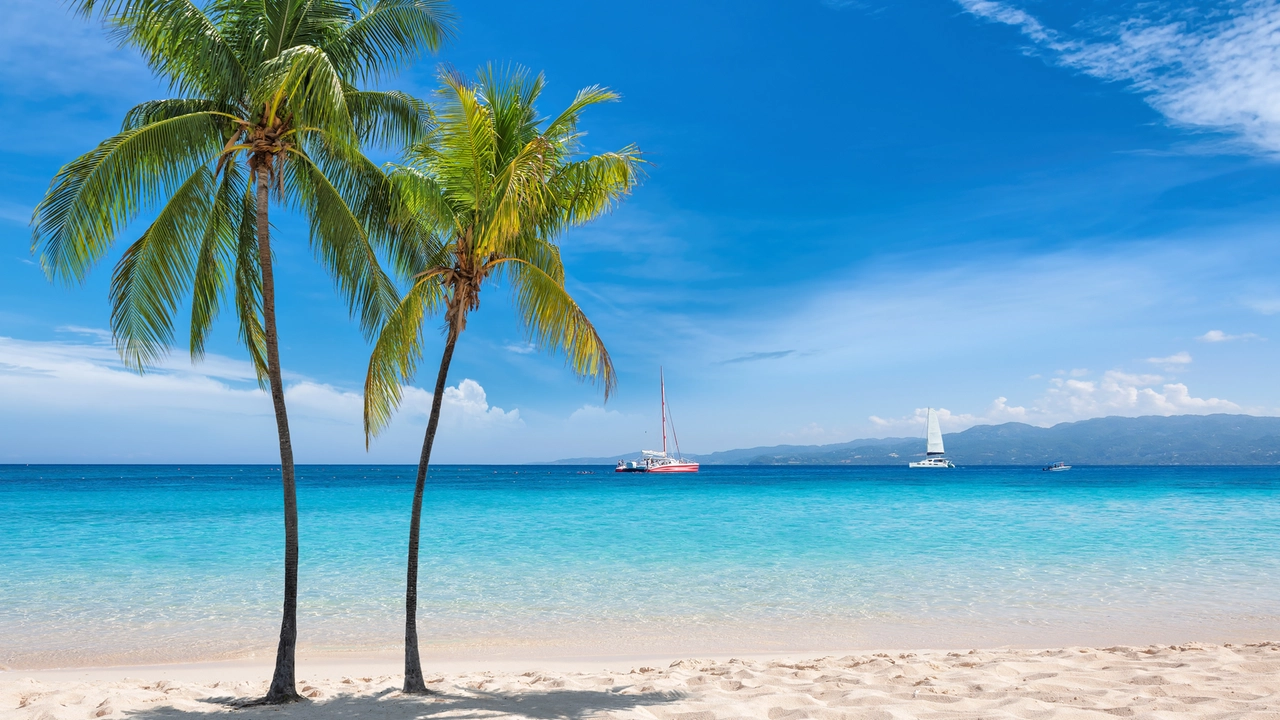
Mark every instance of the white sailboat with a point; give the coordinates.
(933, 450)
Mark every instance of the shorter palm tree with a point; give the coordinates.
(486, 196)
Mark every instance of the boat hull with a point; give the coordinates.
(941, 463)
(675, 468)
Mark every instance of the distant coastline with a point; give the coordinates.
(1223, 440)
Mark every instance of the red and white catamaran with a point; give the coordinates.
(660, 462)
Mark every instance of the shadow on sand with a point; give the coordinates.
(453, 704)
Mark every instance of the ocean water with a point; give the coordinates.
(138, 564)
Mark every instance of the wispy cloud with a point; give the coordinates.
(520, 348)
(757, 356)
(1010, 15)
(1179, 358)
(1221, 74)
(810, 433)
(1217, 336)
(99, 333)
(63, 77)
(1264, 306)
(86, 60)
(14, 213)
(593, 414)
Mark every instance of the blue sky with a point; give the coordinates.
(1028, 211)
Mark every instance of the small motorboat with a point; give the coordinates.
(1056, 467)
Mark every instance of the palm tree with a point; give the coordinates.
(491, 188)
(272, 84)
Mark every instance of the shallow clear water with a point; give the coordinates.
(112, 564)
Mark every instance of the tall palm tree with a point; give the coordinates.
(490, 190)
(265, 103)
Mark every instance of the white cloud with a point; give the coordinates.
(323, 401)
(51, 385)
(1217, 336)
(75, 401)
(1179, 358)
(1221, 74)
(464, 405)
(467, 403)
(1069, 399)
(998, 412)
(521, 349)
(593, 413)
(1119, 393)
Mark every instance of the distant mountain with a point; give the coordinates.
(1150, 440)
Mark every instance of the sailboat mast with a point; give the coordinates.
(662, 383)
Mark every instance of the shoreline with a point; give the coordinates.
(1191, 679)
(573, 647)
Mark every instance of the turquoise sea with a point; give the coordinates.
(137, 564)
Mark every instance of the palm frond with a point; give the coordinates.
(289, 24)
(565, 125)
(420, 219)
(586, 189)
(156, 271)
(519, 194)
(539, 253)
(397, 351)
(95, 196)
(302, 82)
(555, 322)
(391, 224)
(248, 287)
(509, 93)
(391, 34)
(89, 8)
(389, 119)
(181, 44)
(153, 111)
(216, 257)
(342, 244)
(466, 162)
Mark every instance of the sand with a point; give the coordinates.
(1179, 681)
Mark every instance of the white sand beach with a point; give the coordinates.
(1161, 681)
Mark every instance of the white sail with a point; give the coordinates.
(935, 435)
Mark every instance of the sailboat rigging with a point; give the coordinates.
(661, 462)
(933, 445)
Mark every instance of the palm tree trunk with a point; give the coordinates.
(413, 680)
(283, 686)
